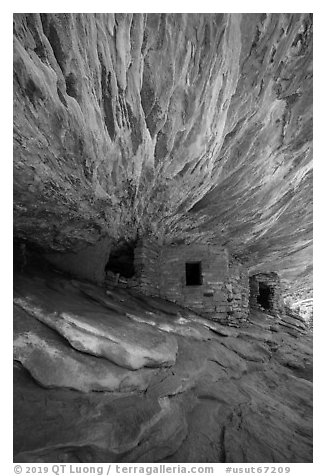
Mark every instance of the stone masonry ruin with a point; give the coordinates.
(204, 278)
(162, 168)
(266, 292)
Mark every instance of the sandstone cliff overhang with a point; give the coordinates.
(192, 126)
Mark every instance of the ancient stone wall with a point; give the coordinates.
(88, 263)
(211, 295)
(254, 292)
(238, 291)
(223, 292)
(146, 262)
(274, 296)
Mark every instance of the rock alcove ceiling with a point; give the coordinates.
(185, 126)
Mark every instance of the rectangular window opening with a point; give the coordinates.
(193, 274)
(264, 296)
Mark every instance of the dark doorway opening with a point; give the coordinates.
(121, 260)
(264, 296)
(193, 274)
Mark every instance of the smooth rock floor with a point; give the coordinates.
(106, 375)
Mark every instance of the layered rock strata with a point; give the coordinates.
(192, 126)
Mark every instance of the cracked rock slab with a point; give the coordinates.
(53, 363)
(93, 427)
(93, 329)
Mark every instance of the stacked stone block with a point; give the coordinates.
(238, 288)
(211, 295)
(146, 263)
(223, 294)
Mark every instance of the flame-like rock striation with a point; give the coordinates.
(185, 126)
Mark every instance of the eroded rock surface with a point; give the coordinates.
(185, 127)
(107, 334)
(54, 364)
(243, 395)
(195, 126)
